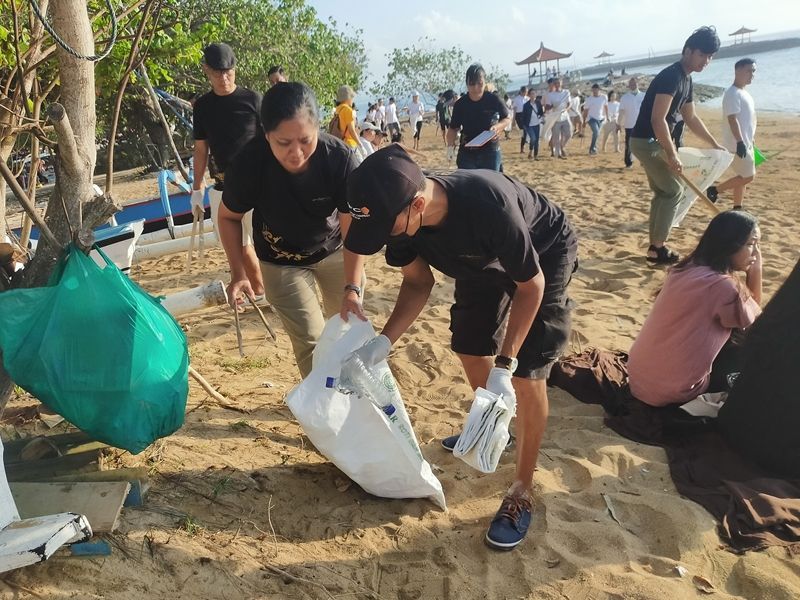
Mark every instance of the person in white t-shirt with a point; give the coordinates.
(380, 115)
(415, 112)
(366, 141)
(629, 107)
(574, 113)
(611, 126)
(392, 122)
(557, 103)
(594, 111)
(738, 133)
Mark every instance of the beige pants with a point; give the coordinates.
(293, 294)
(214, 199)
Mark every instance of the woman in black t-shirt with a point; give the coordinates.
(294, 180)
(477, 112)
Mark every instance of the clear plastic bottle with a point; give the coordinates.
(356, 378)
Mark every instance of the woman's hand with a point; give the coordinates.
(239, 289)
(757, 256)
(351, 303)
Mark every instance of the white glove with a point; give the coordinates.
(499, 382)
(374, 351)
(197, 199)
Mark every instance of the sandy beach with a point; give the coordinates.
(243, 507)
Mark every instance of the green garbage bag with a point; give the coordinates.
(758, 157)
(98, 350)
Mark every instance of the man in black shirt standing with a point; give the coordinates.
(225, 119)
(512, 254)
(670, 95)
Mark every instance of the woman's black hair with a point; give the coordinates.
(724, 237)
(474, 72)
(287, 100)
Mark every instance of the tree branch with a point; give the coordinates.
(26, 204)
(133, 61)
(66, 138)
(96, 211)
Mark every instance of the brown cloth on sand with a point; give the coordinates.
(754, 508)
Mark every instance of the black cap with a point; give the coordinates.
(377, 191)
(219, 57)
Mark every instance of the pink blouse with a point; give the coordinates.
(692, 318)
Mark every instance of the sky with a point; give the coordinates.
(626, 28)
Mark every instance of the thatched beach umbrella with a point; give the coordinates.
(543, 55)
(604, 57)
(738, 35)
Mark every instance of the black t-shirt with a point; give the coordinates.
(476, 117)
(227, 123)
(441, 114)
(673, 81)
(295, 220)
(495, 228)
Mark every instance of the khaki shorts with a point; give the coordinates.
(744, 167)
(214, 199)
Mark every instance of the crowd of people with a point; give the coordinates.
(299, 206)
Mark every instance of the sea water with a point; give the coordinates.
(775, 87)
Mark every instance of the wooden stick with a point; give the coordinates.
(263, 319)
(202, 246)
(700, 193)
(191, 242)
(238, 329)
(220, 399)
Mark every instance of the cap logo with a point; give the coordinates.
(358, 212)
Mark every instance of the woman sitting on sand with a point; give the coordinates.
(294, 179)
(681, 351)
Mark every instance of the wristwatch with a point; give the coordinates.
(353, 288)
(504, 362)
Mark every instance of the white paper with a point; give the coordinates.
(481, 139)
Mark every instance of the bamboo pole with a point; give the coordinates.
(164, 124)
(700, 193)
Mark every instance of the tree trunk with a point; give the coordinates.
(77, 152)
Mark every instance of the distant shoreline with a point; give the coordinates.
(724, 52)
(701, 91)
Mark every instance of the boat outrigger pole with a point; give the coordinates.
(175, 154)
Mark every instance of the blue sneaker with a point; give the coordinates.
(449, 443)
(510, 524)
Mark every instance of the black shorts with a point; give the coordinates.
(478, 317)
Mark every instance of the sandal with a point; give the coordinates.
(663, 255)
